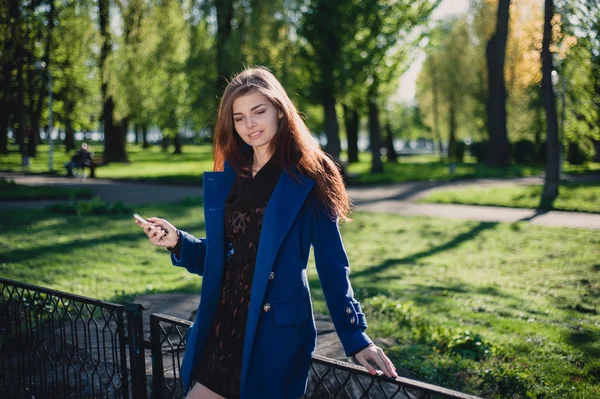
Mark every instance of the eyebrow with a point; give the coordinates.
(252, 109)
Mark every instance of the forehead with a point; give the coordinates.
(248, 101)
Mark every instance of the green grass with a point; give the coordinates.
(429, 168)
(572, 197)
(10, 191)
(529, 294)
(151, 164)
(154, 165)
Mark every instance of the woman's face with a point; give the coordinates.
(255, 119)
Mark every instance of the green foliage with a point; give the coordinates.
(448, 78)
(76, 79)
(469, 345)
(96, 206)
(383, 307)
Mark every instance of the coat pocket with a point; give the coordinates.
(291, 312)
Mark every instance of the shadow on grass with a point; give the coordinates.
(585, 340)
(412, 259)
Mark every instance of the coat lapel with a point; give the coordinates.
(217, 186)
(283, 207)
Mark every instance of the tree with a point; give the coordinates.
(326, 27)
(75, 76)
(114, 137)
(445, 84)
(498, 151)
(552, 177)
(377, 55)
(581, 73)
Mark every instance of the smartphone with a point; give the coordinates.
(144, 221)
(141, 219)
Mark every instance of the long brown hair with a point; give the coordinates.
(293, 143)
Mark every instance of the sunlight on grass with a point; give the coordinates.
(572, 197)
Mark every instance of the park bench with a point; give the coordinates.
(96, 163)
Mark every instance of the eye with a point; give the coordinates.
(262, 111)
(237, 120)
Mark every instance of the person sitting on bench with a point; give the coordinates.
(82, 158)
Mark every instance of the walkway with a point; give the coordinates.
(396, 198)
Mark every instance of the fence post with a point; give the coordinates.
(158, 372)
(137, 358)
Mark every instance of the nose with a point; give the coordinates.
(250, 122)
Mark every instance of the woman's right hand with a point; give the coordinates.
(160, 232)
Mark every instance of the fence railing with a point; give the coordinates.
(59, 345)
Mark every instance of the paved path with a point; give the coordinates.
(395, 198)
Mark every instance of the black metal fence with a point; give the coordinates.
(59, 345)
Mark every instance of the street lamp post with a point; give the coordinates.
(41, 66)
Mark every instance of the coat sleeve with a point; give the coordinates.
(334, 270)
(193, 251)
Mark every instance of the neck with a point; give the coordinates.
(260, 158)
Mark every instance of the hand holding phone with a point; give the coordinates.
(159, 231)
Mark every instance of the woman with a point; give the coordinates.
(272, 196)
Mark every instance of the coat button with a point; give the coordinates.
(271, 276)
(348, 310)
(352, 320)
(266, 307)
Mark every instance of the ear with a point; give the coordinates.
(280, 114)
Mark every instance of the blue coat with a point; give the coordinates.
(280, 332)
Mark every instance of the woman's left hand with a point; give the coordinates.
(375, 355)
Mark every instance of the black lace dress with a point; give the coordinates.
(221, 365)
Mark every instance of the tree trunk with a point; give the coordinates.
(224, 10)
(42, 91)
(436, 116)
(498, 152)
(114, 143)
(332, 129)
(4, 133)
(165, 143)
(351, 121)
(69, 136)
(552, 178)
(20, 130)
(177, 142)
(452, 129)
(145, 136)
(392, 155)
(596, 144)
(136, 130)
(8, 47)
(374, 134)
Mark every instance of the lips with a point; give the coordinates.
(255, 135)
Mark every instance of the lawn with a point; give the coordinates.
(429, 168)
(498, 310)
(572, 197)
(152, 164)
(10, 191)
